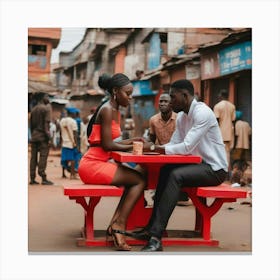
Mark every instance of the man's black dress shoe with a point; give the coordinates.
(154, 245)
(141, 234)
(33, 182)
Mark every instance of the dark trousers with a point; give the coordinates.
(40, 149)
(172, 178)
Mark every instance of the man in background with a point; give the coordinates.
(241, 152)
(40, 118)
(225, 114)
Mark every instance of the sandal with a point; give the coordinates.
(119, 243)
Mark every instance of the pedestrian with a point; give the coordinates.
(241, 150)
(243, 132)
(40, 118)
(225, 113)
(69, 136)
(97, 168)
(197, 132)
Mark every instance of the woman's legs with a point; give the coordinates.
(192, 175)
(134, 184)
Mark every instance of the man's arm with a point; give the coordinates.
(152, 134)
(201, 123)
(47, 123)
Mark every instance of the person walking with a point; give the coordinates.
(40, 118)
(69, 135)
(96, 166)
(197, 132)
(225, 113)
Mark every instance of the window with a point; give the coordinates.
(37, 50)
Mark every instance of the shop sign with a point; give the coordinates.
(193, 72)
(235, 58)
(210, 66)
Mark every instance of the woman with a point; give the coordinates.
(95, 166)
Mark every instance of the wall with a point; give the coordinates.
(119, 60)
(39, 65)
(177, 73)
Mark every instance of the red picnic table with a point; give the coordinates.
(140, 214)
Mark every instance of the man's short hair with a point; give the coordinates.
(223, 93)
(184, 84)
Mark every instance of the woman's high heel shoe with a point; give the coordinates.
(120, 244)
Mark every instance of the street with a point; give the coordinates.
(54, 221)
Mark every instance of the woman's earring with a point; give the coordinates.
(115, 97)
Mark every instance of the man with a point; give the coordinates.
(69, 135)
(242, 141)
(40, 118)
(225, 114)
(241, 150)
(197, 132)
(162, 125)
(161, 128)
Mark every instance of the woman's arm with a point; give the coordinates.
(105, 119)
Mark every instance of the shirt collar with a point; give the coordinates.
(193, 104)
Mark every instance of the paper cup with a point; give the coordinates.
(137, 148)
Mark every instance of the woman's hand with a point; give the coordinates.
(131, 140)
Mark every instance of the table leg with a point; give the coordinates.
(89, 214)
(140, 215)
(204, 213)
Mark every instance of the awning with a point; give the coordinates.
(95, 92)
(59, 101)
(35, 86)
(149, 76)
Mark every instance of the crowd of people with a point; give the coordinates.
(183, 126)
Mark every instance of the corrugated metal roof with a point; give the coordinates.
(95, 92)
(229, 39)
(36, 86)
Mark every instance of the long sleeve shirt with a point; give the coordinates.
(198, 133)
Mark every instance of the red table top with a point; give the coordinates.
(129, 157)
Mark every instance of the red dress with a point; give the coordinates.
(94, 167)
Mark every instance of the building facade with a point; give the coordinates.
(153, 58)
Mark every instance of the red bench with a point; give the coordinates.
(204, 212)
